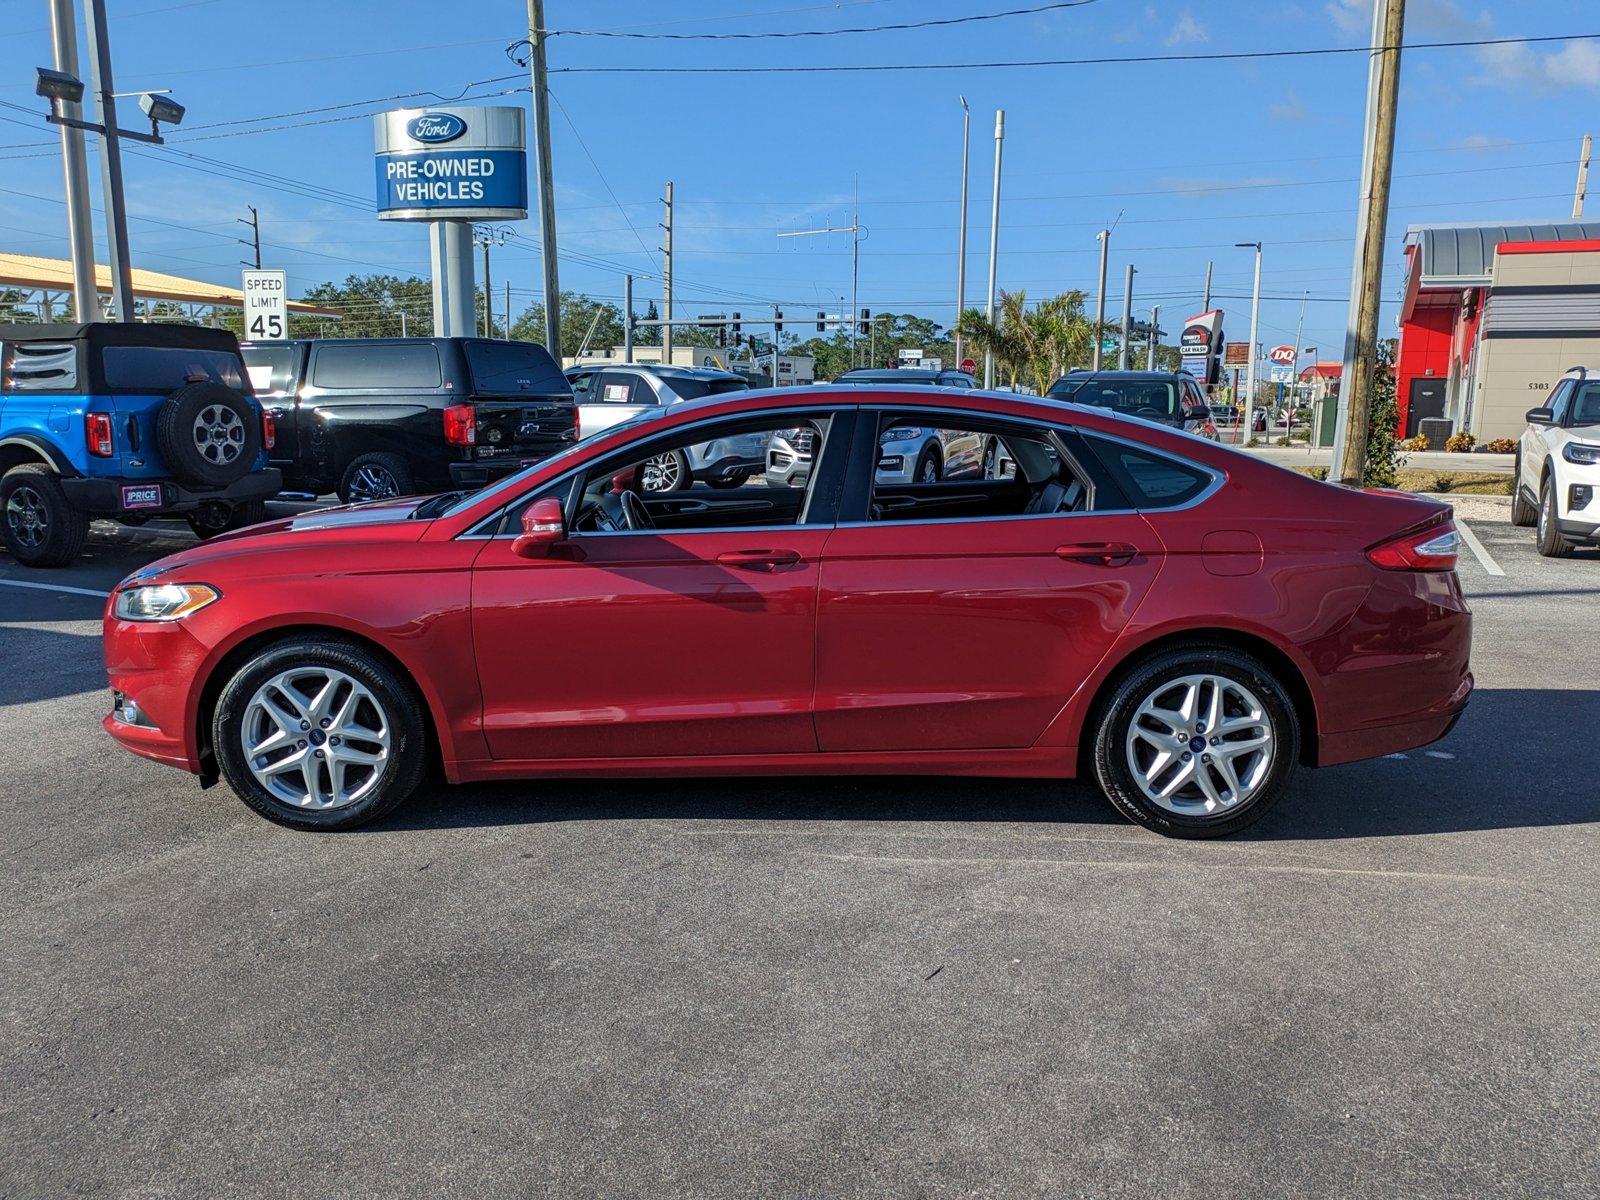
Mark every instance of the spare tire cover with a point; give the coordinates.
(208, 435)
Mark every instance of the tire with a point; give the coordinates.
(1122, 762)
(289, 675)
(210, 520)
(1522, 513)
(737, 479)
(930, 469)
(208, 435)
(669, 472)
(39, 527)
(376, 476)
(1548, 539)
(990, 467)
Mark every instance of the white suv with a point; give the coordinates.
(1558, 466)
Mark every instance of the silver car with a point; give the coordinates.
(609, 393)
(906, 454)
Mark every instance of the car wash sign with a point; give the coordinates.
(441, 164)
(1200, 344)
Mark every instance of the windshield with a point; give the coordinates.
(165, 368)
(886, 377)
(512, 368)
(271, 367)
(1150, 398)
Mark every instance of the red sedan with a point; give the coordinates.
(1181, 622)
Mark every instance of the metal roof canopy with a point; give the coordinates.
(1457, 256)
(55, 275)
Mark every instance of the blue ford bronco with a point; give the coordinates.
(125, 421)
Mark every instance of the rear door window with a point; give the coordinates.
(617, 387)
(1151, 479)
(407, 366)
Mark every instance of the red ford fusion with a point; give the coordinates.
(1100, 597)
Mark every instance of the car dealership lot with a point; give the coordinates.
(809, 986)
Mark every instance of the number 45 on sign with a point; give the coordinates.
(266, 306)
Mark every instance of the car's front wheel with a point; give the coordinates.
(1196, 742)
(1548, 538)
(1522, 513)
(319, 734)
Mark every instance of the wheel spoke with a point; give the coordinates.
(324, 766)
(1208, 787)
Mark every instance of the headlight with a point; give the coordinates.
(163, 601)
(900, 433)
(1581, 453)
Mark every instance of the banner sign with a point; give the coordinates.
(1237, 355)
(465, 164)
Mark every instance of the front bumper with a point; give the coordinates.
(105, 494)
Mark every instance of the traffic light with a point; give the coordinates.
(863, 327)
(822, 322)
(752, 341)
(722, 336)
(736, 328)
(777, 324)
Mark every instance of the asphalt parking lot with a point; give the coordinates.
(809, 987)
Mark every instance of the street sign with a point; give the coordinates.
(968, 365)
(1108, 345)
(266, 306)
(1283, 356)
(1282, 373)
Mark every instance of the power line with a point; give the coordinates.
(814, 33)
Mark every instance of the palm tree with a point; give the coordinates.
(1042, 342)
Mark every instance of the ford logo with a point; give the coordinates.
(435, 127)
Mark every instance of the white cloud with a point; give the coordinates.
(1190, 185)
(1186, 31)
(1576, 64)
(1479, 142)
(1434, 17)
(1290, 109)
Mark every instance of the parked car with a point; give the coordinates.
(907, 377)
(370, 418)
(1146, 607)
(906, 454)
(1557, 474)
(127, 421)
(610, 393)
(1172, 397)
(1224, 416)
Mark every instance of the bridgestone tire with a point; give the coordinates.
(1116, 713)
(28, 494)
(1522, 513)
(408, 758)
(189, 450)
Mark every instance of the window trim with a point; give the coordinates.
(1217, 477)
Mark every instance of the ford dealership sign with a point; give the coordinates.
(434, 128)
(451, 164)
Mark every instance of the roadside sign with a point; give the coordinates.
(969, 365)
(1236, 354)
(1108, 345)
(1282, 373)
(1283, 356)
(266, 306)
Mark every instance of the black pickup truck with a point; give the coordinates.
(375, 417)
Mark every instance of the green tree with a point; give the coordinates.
(371, 306)
(1383, 460)
(1037, 344)
(579, 313)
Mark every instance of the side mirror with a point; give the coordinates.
(1197, 412)
(1541, 416)
(543, 525)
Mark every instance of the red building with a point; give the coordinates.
(1449, 270)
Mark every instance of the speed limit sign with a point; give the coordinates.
(266, 306)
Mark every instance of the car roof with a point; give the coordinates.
(656, 369)
(1084, 373)
(121, 333)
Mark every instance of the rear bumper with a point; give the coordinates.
(1353, 746)
(481, 474)
(104, 494)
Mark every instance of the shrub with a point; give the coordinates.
(1419, 442)
(1319, 473)
(1500, 446)
(1460, 443)
(1382, 461)
(1443, 483)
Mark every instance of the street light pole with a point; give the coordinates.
(110, 161)
(1250, 370)
(75, 169)
(961, 247)
(1127, 320)
(1155, 336)
(1104, 237)
(994, 236)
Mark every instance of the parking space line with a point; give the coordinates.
(54, 587)
(1473, 544)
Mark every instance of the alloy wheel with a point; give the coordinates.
(219, 434)
(315, 737)
(373, 482)
(1200, 745)
(661, 473)
(27, 517)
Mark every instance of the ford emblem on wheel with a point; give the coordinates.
(435, 127)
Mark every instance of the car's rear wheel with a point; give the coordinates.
(376, 476)
(1196, 742)
(1548, 539)
(39, 526)
(209, 520)
(1522, 513)
(736, 479)
(319, 734)
(929, 468)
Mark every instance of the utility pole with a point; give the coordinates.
(777, 328)
(1583, 178)
(994, 236)
(1127, 319)
(1155, 336)
(508, 310)
(547, 187)
(486, 236)
(1294, 372)
(1250, 370)
(1205, 299)
(105, 104)
(855, 260)
(1361, 332)
(1104, 237)
(75, 169)
(961, 247)
(255, 235)
(666, 283)
(627, 318)
(488, 295)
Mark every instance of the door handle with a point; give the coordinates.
(1105, 554)
(758, 560)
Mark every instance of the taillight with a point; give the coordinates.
(461, 424)
(1431, 549)
(577, 422)
(269, 430)
(97, 426)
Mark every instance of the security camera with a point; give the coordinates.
(58, 86)
(159, 108)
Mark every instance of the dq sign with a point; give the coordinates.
(1282, 356)
(460, 164)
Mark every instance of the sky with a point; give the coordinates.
(1181, 159)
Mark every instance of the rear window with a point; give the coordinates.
(696, 389)
(511, 368)
(38, 367)
(167, 368)
(1152, 399)
(1151, 480)
(271, 367)
(407, 365)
